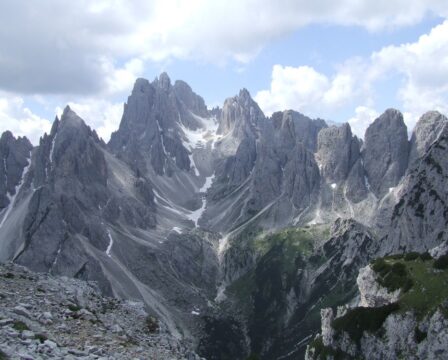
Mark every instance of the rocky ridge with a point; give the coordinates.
(202, 213)
(402, 313)
(46, 317)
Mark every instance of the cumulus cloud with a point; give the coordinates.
(305, 89)
(363, 117)
(422, 66)
(101, 115)
(68, 47)
(91, 51)
(16, 117)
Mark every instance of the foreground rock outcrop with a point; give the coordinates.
(402, 314)
(45, 317)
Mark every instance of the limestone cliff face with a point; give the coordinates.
(387, 324)
(385, 151)
(421, 213)
(185, 203)
(372, 294)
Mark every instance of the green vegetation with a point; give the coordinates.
(287, 248)
(425, 256)
(73, 307)
(294, 241)
(419, 335)
(441, 263)
(424, 288)
(152, 324)
(41, 338)
(3, 356)
(20, 326)
(411, 256)
(392, 274)
(429, 290)
(324, 352)
(253, 357)
(424, 285)
(361, 319)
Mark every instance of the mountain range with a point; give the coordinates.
(234, 228)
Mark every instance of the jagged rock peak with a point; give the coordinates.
(385, 151)
(244, 94)
(69, 117)
(141, 85)
(14, 157)
(190, 99)
(426, 131)
(164, 81)
(336, 152)
(282, 120)
(239, 110)
(6, 136)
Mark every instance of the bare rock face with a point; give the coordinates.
(337, 152)
(378, 328)
(150, 130)
(385, 151)
(61, 318)
(241, 118)
(420, 218)
(302, 177)
(371, 292)
(70, 182)
(426, 131)
(306, 129)
(15, 154)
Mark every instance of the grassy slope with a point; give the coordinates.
(424, 290)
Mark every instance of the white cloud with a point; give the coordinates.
(88, 50)
(20, 120)
(305, 89)
(363, 117)
(101, 115)
(61, 47)
(422, 66)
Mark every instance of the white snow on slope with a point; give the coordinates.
(169, 205)
(52, 147)
(177, 229)
(111, 243)
(12, 199)
(196, 215)
(199, 138)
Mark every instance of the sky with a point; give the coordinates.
(344, 61)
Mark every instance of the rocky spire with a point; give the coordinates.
(385, 152)
(426, 131)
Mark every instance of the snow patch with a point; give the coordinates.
(317, 218)
(12, 198)
(223, 245)
(177, 229)
(193, 164)
(196, 215)
(111, 243)
(56, 257)
(334, 186)
(207, 184)
(169, 205)
(161, 137)
(52, 147)
(199, 138)
(220, 293)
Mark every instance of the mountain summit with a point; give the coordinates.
(225, 223)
